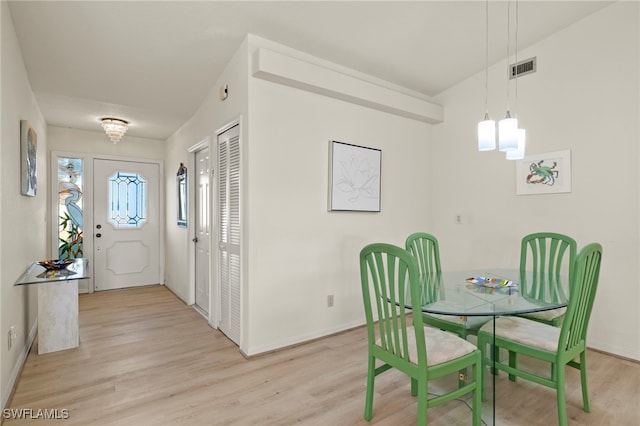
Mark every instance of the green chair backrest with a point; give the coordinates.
(547, 255)
(584, 283)
(424, 247)
(386, 271)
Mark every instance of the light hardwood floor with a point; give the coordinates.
(145, 358)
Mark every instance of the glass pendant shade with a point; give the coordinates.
(486, 134)
(508, 133)
(518, 154)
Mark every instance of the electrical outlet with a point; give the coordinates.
(329, 300)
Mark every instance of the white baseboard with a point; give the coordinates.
(17, 369)
(259, 350)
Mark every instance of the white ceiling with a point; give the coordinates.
(152, 62)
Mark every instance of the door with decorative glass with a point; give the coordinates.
(126, 224)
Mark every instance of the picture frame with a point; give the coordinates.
(547, 173)
(28, 159)
(354, 177)
(181, 196)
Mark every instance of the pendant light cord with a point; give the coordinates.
(516, 57)
(508, 42)
(486, 61)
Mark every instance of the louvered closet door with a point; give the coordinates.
(229, 231)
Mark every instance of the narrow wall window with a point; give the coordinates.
(70, 213)
(127, 200)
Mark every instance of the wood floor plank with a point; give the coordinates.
(145, 358)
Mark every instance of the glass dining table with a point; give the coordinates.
(491, 293)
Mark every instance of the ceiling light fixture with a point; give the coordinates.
(508, 127)
(511, 139)
(518, 153)
(487, 127)
(115, 128)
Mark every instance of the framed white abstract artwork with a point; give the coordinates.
(354, 177)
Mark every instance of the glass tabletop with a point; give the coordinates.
(38, 274)
(491, 292)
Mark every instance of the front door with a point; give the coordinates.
(126, 224)
(203, 230)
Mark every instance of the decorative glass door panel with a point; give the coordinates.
(70, 211)
(127, 200)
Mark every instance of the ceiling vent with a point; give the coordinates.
(522, 68)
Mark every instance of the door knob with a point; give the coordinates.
(98, 235)
(195, 240)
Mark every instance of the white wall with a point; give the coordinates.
(584, 97)
(297, 252)
(210, 116)
(22, 221)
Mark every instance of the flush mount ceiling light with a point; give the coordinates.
(115, 128)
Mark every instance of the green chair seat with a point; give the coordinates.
(470, 323)
(441, 346)
(525, 332)
(552, 316)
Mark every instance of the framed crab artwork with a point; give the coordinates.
(547, 173)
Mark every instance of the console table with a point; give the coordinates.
(57, 303)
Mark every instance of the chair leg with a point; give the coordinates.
(371, 373)
(513, 363)
(583, 379)
(414, 387)
(560, 396)
(463, 373)
(495, 358)
(482, 345)
(422, 402)
(477, 392)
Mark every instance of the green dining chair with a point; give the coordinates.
(559, 346)
(547, 255)
(397, 339)
(424, 247)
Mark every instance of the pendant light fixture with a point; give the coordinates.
(508, 127)
(518, 153)
(487, 127)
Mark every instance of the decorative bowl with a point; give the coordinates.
(55, 264)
